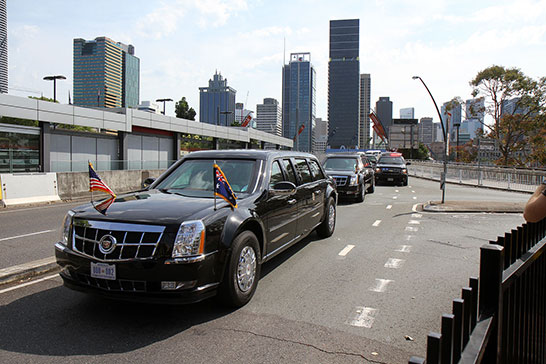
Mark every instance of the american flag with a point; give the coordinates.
(104, 205)
(96, 184)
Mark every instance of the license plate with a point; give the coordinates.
(390, 179)
(103, 271)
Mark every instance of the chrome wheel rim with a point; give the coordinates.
(246, 269)
(331, 217)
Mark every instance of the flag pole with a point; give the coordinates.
(214, 182)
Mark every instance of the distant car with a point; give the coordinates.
(391, 168)
(351, 177)
(173, 242)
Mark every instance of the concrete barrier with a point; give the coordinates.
(27, 188)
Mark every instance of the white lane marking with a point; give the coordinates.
(415, 198)
(412, 191)
(394, 263)
(404, 249)
(416, 216)
(376, 223)
(414, 208)
(411, 228)
(29, 283)
(24, 235)
(394, 197)
(380, 285)
(414, 222)
(364, 317)
(346, 250)
(409, 186)
(389, 207)
(409, 237)
(396, 191)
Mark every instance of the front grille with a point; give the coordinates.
(340, 180)
(132, 241)
(391, 170)
(118, 285)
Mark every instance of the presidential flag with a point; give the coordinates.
(104, 205)
(96, 184)
(222, 187)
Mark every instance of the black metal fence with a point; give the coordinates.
(500, 318)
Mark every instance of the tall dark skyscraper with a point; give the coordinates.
(106, 73)
(299, 100)
(344, 84)
(365, 97)
(217, 102)
(383, 110)
(3, 47)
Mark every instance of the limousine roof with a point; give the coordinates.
(246, 153)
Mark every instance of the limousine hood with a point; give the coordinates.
(152, 207)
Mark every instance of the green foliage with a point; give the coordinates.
(182, 110)
(17, 121)
(235, 123)
(43, 98)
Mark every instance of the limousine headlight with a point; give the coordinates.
(190, 239)
(405, 171)
(67, 224)
(354, 181)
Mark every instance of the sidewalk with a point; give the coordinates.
(474, 206)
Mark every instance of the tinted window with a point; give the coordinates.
(341, 164)
(391, 160)
(315, 170)
(276, 174)
(289, 170)
(303, 170)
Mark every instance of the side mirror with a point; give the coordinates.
(147, 182)
(283, 188)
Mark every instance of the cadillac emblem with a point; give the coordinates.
(107, 244)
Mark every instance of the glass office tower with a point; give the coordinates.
(344, 84)
(3, 47)
(106, 73)
(299, 101)
(217, 102)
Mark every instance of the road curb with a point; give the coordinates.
(473, 207)
(28, 270)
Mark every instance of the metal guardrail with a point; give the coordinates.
(504, 319)
(524, 180)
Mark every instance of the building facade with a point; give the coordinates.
(407, 113)
(426, 131)
(106, 73)
(321, 136)
(344, 84)
(299, 101)
(365, 97)
(269, 116)
(3, 47)
(217, 102)
(383, 110)
(454, 120)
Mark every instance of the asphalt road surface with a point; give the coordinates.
(370, 293)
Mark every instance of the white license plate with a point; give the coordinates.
(390, 179)
(103, 271)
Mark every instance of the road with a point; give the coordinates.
(386, 275)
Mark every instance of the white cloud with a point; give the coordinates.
(162, 21)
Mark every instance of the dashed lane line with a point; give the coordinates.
(376, 223)
(389, 207)
(414, 222)
(404, 249)
(412, 228)
(416, 216)
(394, 197)
(364, 317)
(394, 263)
(346, 250)
(380, 285)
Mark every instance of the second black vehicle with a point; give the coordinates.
(391, 168)
(352, 178)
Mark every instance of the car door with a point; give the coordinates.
(305, 196)
(281, 210)
(319, 187)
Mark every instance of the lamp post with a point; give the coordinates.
(443, 178)
(54, 79)
(163, 101)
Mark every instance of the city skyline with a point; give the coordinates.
(181, 43)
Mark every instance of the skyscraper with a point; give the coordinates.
(383, 110)
(407, 113)
(3, 47)
(217, 102)
(269, 116)
(106, 73)
(321, 135)
(454, 120)
(299, 100)
(426, 131)
(365, 96)
(344, 84)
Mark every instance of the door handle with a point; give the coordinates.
(292, 201)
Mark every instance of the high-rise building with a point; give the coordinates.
(383, 110)
(344, 84)
(321, 136)
(365, 97)
(454, 120)
(407, 113)
(426, 131)
(217, 102)
(269, 116)
(3, 47)
(106, 73)
(299, 100)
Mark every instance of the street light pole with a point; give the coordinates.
(54, 79)
(163, 101)
(443, 179)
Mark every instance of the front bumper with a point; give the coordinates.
(140, 281)
(390, 177)
(345, 191)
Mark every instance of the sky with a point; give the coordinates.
(182, 43)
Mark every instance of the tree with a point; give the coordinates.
(182, 110)
(517, 104)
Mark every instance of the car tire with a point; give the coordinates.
(328, 225)
(371, 189)
(242, 271)
(405, 183)
(362, 195)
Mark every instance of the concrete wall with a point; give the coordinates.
(73, 185)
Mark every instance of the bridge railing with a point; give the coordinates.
(524, 180)
(500, 317)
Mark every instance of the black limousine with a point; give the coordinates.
(174, 242)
